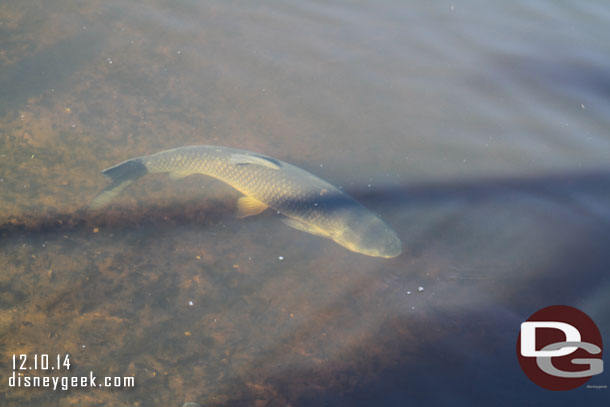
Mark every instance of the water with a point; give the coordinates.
(477, 130)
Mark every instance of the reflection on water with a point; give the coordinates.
(477, 131)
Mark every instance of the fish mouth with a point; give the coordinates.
(368, 235)
(388, 247)
(394, 249)
(392, 253)
(385, 253)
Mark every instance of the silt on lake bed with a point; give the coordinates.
(309, 203)
(478, 131)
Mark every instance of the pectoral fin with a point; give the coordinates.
(248, 206)
(303, 227)
(245, 159)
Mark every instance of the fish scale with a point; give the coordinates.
(310, 204)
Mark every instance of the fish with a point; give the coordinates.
(307, 202)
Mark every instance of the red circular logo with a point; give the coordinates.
(560, 348)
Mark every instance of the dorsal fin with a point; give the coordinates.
(251, 159)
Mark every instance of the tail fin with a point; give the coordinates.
(121, 176)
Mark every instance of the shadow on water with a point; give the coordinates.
(474, 361)
(455, 370)
(570, 189)
(444, 355)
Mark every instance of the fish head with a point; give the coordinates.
(369, 235)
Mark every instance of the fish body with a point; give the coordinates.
(309, 203)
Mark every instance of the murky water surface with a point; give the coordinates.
(478, 130)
